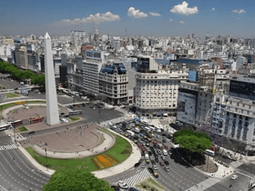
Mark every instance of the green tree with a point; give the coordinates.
(192, 141)
(75, 180)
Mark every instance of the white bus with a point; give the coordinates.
(152, 128)
(209, 152)
(147, 129)
(131, 133)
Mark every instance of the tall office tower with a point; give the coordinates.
(51, 94)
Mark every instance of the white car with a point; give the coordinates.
(234, 177)
(122, 184)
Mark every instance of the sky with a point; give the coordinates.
(131, 17)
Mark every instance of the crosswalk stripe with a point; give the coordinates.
(131, 181)
(8, 147)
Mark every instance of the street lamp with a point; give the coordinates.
(46, 155)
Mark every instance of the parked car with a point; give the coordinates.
(234, 177)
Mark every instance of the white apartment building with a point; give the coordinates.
(157, 86)
(77, 38)
(91, 67)
(234, 115)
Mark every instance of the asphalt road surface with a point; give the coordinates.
(241, 183)
(16, 171)
(179, 177)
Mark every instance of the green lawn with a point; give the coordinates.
(74, 118)
(22, 129)
(120, 151)
(11, 95)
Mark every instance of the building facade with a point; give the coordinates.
(113, 83)
(156, 90)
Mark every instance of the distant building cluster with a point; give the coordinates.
(207, 83)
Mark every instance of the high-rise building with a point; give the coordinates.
(77, 38)
(156, 90)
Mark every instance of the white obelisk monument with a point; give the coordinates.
(51, 94)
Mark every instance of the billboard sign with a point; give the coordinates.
(244, 90)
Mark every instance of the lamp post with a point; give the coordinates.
(46, 157)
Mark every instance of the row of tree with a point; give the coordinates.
(21, 75)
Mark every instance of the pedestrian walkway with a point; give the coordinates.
(2, 188)
(8, 147)
(109, 141)
(133, 180)
(204, 185)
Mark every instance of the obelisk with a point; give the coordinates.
(51, 94)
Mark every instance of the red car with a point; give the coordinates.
(165, 146)
(161, 163)
(154, 142)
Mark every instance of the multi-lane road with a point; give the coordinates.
(17, 173)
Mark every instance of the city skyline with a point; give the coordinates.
(162, 17)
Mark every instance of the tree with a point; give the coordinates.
(192, 141)
(75, 180)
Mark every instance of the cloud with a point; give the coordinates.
(182, 22)
(132, 12)
(213, 8)
(171, 20)
(97, 18)
(183, 9)
(239, 11)
(154, 14)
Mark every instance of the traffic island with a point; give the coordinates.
(150, 184)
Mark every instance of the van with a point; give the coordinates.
(146, 156)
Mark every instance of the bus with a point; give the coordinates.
(16, 123)
(36, 120)
(5, 127)
(131, 133)
(209, 152)
(76, 112)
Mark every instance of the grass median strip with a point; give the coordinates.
(150, 184)
(11, 95)
(120, 151)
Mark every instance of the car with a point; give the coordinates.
(133, 189)
(137, 164)
(163, 140)
(143, 165)
(166, 169)
(234, 177)
(116, 188)
(155, 167)
(122, 185)
(161, 163)
(159, 152)
(147, 144)
(163, 157)
(155, 174)
(150, 170)
(156, 159)
(166, 162)
(150, 154)
(153, 162)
